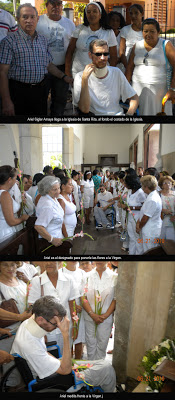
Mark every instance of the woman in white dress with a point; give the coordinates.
(69, 208)
(95, 26)
(135, 201)
(79, 276)
(87, 188)
(50, 214)
(101, 282)
(168, 207)
(149, 223)
(131, 34)
(8, 206)
(11, 288)
(147, 70)
(55, 283)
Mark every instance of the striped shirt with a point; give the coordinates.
(28, 59)
(7, 24)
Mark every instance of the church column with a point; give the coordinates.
(30, 159)
(68, 147)
(145, 302)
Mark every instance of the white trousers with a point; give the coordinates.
(97, 343)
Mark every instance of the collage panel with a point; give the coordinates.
(111, 323)
(87, 190)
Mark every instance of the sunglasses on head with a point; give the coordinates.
(101, 54)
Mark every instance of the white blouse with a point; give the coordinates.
(50, 215)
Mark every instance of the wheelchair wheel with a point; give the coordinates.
(4, 387)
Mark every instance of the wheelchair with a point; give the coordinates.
(110, 217)
(53, 383)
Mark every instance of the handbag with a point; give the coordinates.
(169, 68)
(8, 305)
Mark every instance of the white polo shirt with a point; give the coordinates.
(152, 207)
(29, 344)
(65, 290)
(103, 198)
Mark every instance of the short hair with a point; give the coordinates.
(29, 5)
(57, 171)
(103, 20)
(46, 169)
(122, 20)
(132, 182)
(6, 172)
(95, 172)
(37, 178)
(140, 168)
(164, 178)
(121, 174)
(97, 42)
(151, 21)
(150, 181)
(47, 307)
(74, 173)
(46, 184)
(152, 171)
(130, 171)
(102, 185)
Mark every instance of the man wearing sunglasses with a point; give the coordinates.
(58, 30)
(99, 88)
(29, 343)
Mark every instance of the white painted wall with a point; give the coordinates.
(168, 139)
(106, 139)
(9, 142)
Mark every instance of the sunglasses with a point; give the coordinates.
(55, 325)
(145, 57)
(101, 54)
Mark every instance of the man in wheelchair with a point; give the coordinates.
(29, 343)
(105, 201)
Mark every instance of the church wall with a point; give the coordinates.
(106, 139)
(9, 139)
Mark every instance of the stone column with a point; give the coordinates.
(30, 137)
(68, 147)
(145, 305)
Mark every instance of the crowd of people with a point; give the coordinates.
(142, 206)
(61, 304)
(102, 61)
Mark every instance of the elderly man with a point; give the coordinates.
(57, 30)
(24, 62)
(49, 314)
(99, 88)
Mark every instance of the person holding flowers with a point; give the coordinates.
(69, 208)
(99, 304)
(55, 283)
(79, 276)
(168, 207)
(8, 205)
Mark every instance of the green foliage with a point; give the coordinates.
(79, 8)
(9, 6)
(56, 161)
(153, 358)
(172, 30)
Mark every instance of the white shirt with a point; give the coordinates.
(105, 286)
(105, 93)
(84, 36)
(28, 269)
(75, 193)
(18, 293)
(7, 24)
(152, 207)
(50, 215)
(131, 38)
(65, 290)
(103, 198)
(58, 34)
(79, 277)
(136, 200)
(88, 187)
(29, 344)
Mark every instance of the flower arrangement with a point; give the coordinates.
(98, 305)
(78, 369)
(154, 357)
